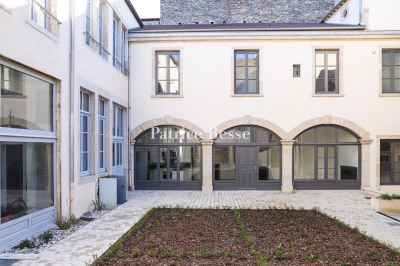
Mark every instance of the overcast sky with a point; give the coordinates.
(147, 8)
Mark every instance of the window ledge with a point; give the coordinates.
(247, 95)
(86, 178)
(389, 94)
(167, 96)
(327, 95)
(5, 9)
(42, 30)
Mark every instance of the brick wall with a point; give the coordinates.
(237, 11)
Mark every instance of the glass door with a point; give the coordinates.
(169, 163)
(326, 163)
(118, 142)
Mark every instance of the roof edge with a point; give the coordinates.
(339, 5)
(135, 14)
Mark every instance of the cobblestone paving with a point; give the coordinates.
(349, 206)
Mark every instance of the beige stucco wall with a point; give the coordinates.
(207, 82)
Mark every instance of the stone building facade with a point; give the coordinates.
(238, 11)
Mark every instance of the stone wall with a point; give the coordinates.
(237, 11)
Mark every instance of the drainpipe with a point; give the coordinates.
(129, 118)
(71, 103)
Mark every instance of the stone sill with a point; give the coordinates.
(167, 96)
(327, 95)
(391, 94)
(247, 95)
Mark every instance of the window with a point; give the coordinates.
(101, 26)
(39, 9)
(391, 71)
(390, 162)
(102, 135)
(327, 156)
(115, 43)
(246, 72)
(326, 72)
(89, 22)
(123, 67)
(296, 71)
(118, 141)
(85, 133)
(167, 72)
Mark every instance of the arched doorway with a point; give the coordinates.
(247, 157)
(327, 157)
(167, 157)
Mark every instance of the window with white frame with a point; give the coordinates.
(41, 12)
(327, 72)
(116, 63)
(102, 135)
(88, 26)
(123, 48)
(101, 26)
(85, 133)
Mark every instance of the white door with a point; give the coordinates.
(118, 142)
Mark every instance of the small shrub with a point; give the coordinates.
(303, 235)
(46, 237)
(153, 253)
(64, 223)
(348, 256)
(120, 255)
(207, 254)
(202, 240)
(167, 253)
(291, 255)
(243, 256)
(182, 254)
(228, 254)
(389, 197)
(135, 253)
(26, 244)
(336, 245)
(98, 205)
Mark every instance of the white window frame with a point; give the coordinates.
(115, 43)
(34, 6)
(88, 31)
(101, 27)
(123, 48)
(118, 136)
(84, 113)
(102, 137)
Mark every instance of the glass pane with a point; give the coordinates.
(331, 152)
(396, 178)
(85, 102)
(101, 108)
(332, 72)
(331, 162)
(332, 59)
(252, 86)
(307, 136)
(326, 134)
(146, 163)
(304, 162)
(252, 59)
(26, 102)
(162, 74)
(344, 136)
(348, 162)
(84, 142)
(174, 86)
(85, 125)
(320, 72)
(396, 152)
(252, 72)
(386, 72)
(332, 85)
(321, 162)
(162, 87)
(174, 73)
(396, 72)
(162, 60)
(386, 60)
(321, 152)
(397, 58)
(190, 163)
(240, 73)
(240, 86)
(386, 168)
(101, 126)
(331, 173)
(319, 59)
(385, 85)
(40, 14)
(85, 164)
(240, 59)
(225, 163)
(26, 179)
(321, 174)
(269, 163)
(320, 85)
(174, 60)
(263, 136)
(385, 146)
(164, 164)
(385, 178)
(245, 134)
(397, 85)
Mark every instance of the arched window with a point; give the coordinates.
(326, 157)
(168, 157)
(247, 157)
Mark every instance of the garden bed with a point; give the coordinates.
(244, 237)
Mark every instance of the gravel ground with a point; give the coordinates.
(58, 235)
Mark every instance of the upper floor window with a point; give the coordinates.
(42, 12)
(390, 162)
(123, 49)
(89, 22)
(102, 135)
(390, 71)
(246, 72)
(326, 71)
(115, 43)
(101, 26)
(167, 81)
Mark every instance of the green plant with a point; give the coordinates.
(98, 205)
(243, 256)
(26, 244)
(153, 253)
(207, 254)
(389, 197)
(336, 245)
(135, 253)
(120, 255)
(303, 235)
(46, 237)
(228, 254)
(291, 255)
(182, 254)
(64, 223)
(348, 256)
(167, 253)
(202, 240)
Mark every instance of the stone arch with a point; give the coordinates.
(254, 121)
(330, 120)
(167, 121)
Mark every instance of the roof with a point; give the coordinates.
(339, 5)
(135, 14)
(247, 27)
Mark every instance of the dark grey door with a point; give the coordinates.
(246, 167)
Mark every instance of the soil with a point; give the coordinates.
(280, 237)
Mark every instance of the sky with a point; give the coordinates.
(147, 8)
